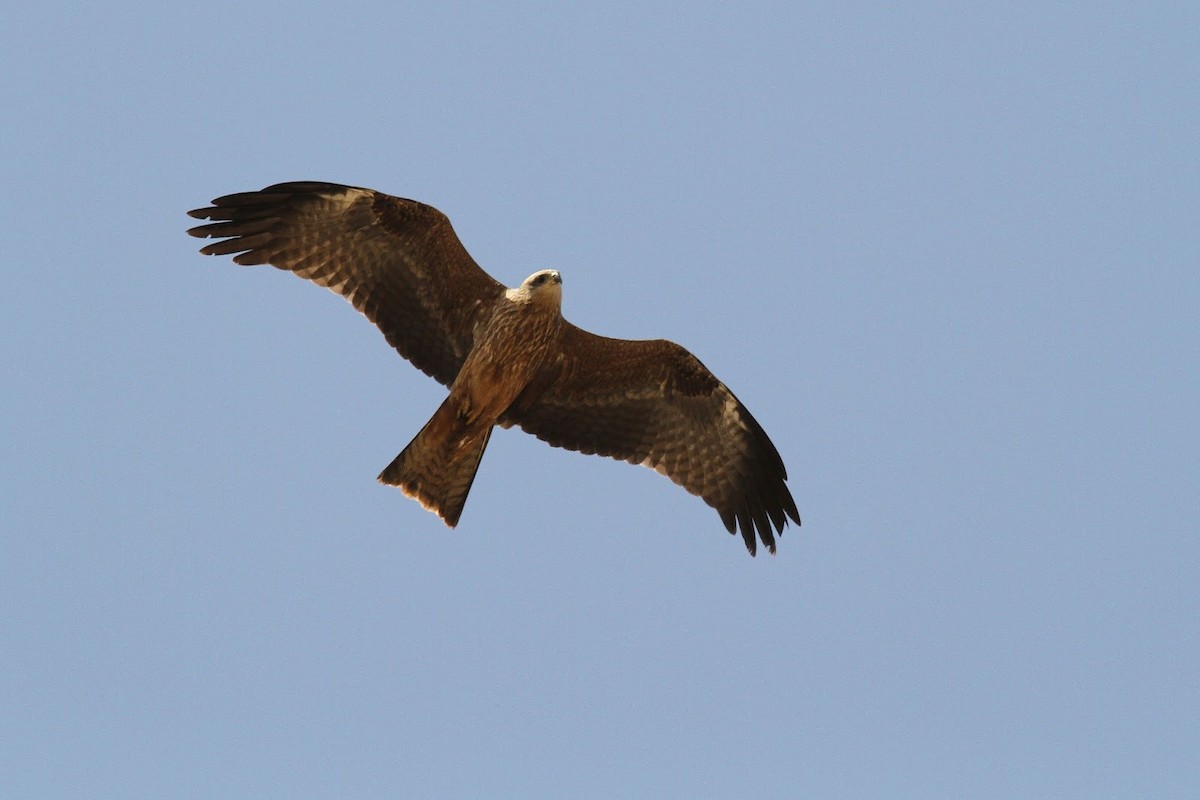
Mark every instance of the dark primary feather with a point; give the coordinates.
(654, 403)
(398, 261)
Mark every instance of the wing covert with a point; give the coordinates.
(653, 403)
(397, 261)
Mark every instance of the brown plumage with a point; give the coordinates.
(507, 355)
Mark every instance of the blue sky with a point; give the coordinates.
(946, 254)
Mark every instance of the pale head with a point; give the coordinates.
(543, 286)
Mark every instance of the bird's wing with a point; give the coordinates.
(398, 261)
(653, 403)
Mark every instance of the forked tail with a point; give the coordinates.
(439, 464)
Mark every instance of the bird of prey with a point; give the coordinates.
(507, 355)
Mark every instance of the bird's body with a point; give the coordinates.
(511, 344)
(507, 355)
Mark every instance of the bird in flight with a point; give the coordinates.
(507, 355)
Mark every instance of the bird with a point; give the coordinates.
(507, 355)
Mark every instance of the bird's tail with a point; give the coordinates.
(439, 464)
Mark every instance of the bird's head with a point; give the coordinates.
(544, 286)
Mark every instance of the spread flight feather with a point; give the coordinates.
(507, 355)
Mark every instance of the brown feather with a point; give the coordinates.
(398, 261)
(438, 466)
(653, 403)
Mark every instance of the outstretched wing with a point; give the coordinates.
(653, 403)
(398, 261)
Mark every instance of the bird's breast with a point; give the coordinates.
(506, 355)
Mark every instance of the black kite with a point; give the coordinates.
(507, 355)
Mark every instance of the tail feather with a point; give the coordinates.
(439, 464)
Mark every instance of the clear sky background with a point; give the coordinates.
(947, 255)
